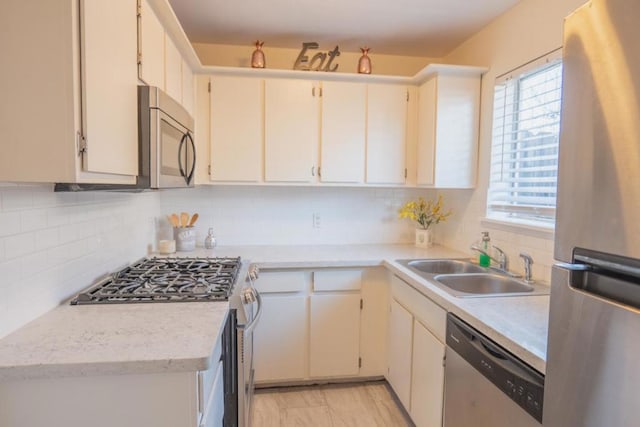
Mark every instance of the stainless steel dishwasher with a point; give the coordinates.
(486, 386)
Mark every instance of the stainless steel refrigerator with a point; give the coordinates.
(593, 361)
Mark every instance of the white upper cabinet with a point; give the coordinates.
(291, 130)
(343, 132)
(236, 129)
(151, 45)
(64, 80)
(386, 134)
(188, 87)
(110, 92)
(172, 69)
(448, 120)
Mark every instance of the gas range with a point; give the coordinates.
(166, 280)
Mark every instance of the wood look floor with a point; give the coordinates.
(336, 405)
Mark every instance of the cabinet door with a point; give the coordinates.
(110, 96)
(172, 69)
(386, 133)
(151, 45)
(458, 106)
(334, 340)
(448, 131)
(280, 339)
(236, 129)
(400, 342)
(426, 133)
(187, 87)
(343, 131)
(291, 130)
(427, 382)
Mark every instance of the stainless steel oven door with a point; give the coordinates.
(173, 155)
(251, 310)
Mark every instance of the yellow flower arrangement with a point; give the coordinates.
(425, 213)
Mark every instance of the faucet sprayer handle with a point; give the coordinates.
(528, 262)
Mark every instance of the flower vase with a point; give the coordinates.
(424, 238)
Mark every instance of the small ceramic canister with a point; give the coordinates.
(185, 238)
(166, 247)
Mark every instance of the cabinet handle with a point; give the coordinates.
(313, 91)
(313, 171)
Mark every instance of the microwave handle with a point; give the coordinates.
(193, 164)
(182, 171)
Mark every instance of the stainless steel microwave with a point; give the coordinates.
(167, 149)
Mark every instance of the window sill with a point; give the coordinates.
(532, 230)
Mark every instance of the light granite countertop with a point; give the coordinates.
(154, 338)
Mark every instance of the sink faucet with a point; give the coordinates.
(502, 261)
(528, 262)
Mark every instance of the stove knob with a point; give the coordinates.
(253, 272)
(248, 296)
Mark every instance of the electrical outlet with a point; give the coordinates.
(316, 220)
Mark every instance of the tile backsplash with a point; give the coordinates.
(54, 244)
(272, 215)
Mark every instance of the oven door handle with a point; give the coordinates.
(248, 328)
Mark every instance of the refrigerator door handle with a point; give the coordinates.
(573, 267)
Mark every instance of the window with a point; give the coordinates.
(524, 151)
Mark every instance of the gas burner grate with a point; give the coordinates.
(166, 280)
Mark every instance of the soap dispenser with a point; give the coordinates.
(484, 260)
(210, 240)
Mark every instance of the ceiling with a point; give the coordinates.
(430, 28)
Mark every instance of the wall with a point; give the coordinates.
(284, 215)
(528, 30)
(283, 58)
(54, 244)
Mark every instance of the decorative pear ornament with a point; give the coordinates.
(364, 64)
(257, 57)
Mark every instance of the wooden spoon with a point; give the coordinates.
(194, 218)
(184, 219)
(174, 220)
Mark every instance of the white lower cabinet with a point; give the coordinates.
(416, 353)
(400, 341)
(171, 399)
(280, 339)
(321, 324)
(427, 379)
(334, 335)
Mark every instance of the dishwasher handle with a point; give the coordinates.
(520, 382)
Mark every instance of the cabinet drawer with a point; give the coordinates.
(337, 280)
(206, 379)
(280, 281)
(426, 311)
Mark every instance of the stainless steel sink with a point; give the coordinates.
(469, 285)
(464, 279)
(442, 266)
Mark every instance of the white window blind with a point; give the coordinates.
(524, 152)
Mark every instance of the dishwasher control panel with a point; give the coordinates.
(521, 383)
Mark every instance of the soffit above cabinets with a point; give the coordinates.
(428, 28)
